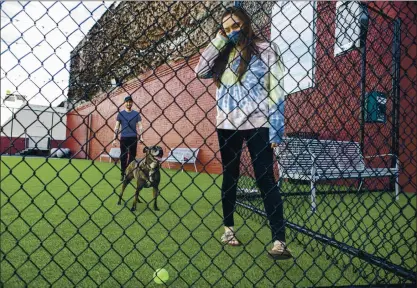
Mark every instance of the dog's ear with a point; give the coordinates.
(145, 149)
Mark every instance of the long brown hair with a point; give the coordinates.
(247, 42)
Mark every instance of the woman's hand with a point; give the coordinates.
(221, 33)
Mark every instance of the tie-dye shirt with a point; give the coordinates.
(258, 101)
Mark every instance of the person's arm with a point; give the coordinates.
(116, 132)
(139, 127)
(116, 129)
(209, 55)
(276, 97)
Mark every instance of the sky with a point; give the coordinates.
(36, 40)
(38, 36)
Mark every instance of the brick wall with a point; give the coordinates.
(167, 98)
(177, 112)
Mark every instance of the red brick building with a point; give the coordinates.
(178, 109)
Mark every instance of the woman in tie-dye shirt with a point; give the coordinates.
(250, 106)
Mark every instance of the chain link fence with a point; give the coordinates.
(344, 165)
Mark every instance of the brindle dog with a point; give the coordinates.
(147, 174)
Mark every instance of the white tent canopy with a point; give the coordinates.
(37, 123)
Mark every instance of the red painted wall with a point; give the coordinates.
(11, 145)
(14, 145)
(178, 109)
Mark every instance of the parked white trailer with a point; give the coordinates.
(38, 125)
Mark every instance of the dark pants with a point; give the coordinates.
(128, 146)
(262, 160)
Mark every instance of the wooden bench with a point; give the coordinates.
(314, 160)
(183, 156)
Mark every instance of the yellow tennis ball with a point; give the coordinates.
(160, 276)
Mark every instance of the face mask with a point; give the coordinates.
(234, 37)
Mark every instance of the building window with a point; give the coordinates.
(351, 22)
(293, 29)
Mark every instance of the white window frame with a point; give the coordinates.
(347, 27)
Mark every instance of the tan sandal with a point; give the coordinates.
(229, 238)
(280, 251)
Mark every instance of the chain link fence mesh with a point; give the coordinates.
(345, 169)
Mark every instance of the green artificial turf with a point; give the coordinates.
(60, 226)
